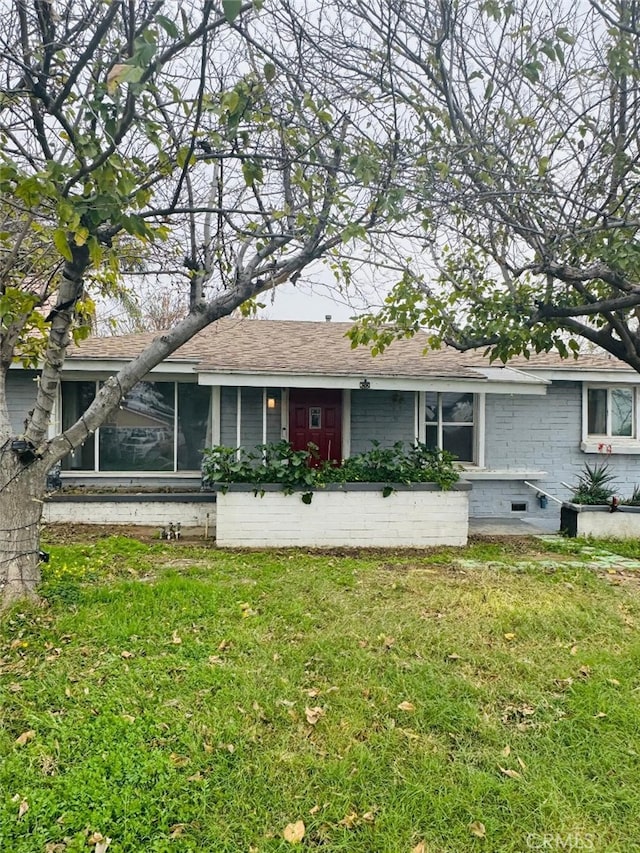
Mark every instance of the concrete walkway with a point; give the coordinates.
(514, 526)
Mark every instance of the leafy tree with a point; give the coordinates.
(525, 170)
(138, 129)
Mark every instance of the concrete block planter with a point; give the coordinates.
(344, 515)
(599, 522)
(190, 509)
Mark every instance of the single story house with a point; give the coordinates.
(244, 382)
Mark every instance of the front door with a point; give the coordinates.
(315, 416)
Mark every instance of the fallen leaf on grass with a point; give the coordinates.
(177, 830)
(512, 774)
(224, 645)
(23, 809)
(419, 848)
(521, 762)
(506, 751)
(128, 718)
(369, 817)
(406, 706)
(350, 820)
(247, 610)
(509, 636)
(314, 810)
(478, 829)
(614, 682)
(453, 656)
(14, 687)
(178, 760)
(25, 737)
(126, 655)
(176, 639)
(216, 660)
(314, 714)
(585, 671)
(102, 846)
(600, 714)
(294, 832)
(573, 650)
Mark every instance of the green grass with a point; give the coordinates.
(167, 688)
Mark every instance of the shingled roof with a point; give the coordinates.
(287, 347)
(307, 348)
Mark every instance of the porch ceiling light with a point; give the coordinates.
(271, 402)
(365, 384)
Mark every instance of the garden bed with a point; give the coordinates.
(599, 522)
(343, 514)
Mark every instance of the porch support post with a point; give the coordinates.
(420, 425)
(284, 414)
(216, 415)
(238, 419)
(264, 415)
(346, 423)
(480, 429)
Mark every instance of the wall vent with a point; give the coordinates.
(518, 506)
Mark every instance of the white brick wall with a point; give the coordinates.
(148, 514)
(409, 519)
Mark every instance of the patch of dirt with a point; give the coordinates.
(62, 534)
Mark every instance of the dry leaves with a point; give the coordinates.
(294, 832)
(176, 639)
(25, 737)
(478, 829)
(125, 654)
(314, 714)
(512, 774)
(419, 848)
(406, 706)
(23, 808)
(509, 636)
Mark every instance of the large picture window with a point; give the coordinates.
(611, 412)
(159, 426)
(450, 423)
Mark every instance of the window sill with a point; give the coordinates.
(610, 447)
(472, 473)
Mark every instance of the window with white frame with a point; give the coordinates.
(450, 421)
(611, 411)
(159, 426)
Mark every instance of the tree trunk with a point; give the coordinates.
(22, 489)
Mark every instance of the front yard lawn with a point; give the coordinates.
(177, 698)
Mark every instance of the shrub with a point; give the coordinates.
(294, 469)
(594, 485)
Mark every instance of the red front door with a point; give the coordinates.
(315, 416)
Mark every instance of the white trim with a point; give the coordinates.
(175, 426)
(284, 414)
(238, 420)
(610, 444)
(109, 367)
(346, 423)
(264, 415)
(613, 376)
(473, 473)
(481, 412)
(377, 383)
(216, 415)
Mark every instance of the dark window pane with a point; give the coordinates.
(457, 408)
(194, 430)
(622, 411)
(459, 441)
(432, 437)
(597, 411)
(76, 396)
(431, 406)
(139, 435)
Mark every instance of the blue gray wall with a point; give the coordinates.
(21, 397)
(544, 434)
(384, 416)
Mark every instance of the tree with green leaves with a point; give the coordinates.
(525, 178)
(200, 133)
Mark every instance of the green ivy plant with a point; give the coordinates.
(298, 470)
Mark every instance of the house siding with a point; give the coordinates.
(21, 397)
(539, 434)
(384, 416)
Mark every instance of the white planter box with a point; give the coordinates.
(350, 515)
(599, 522)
